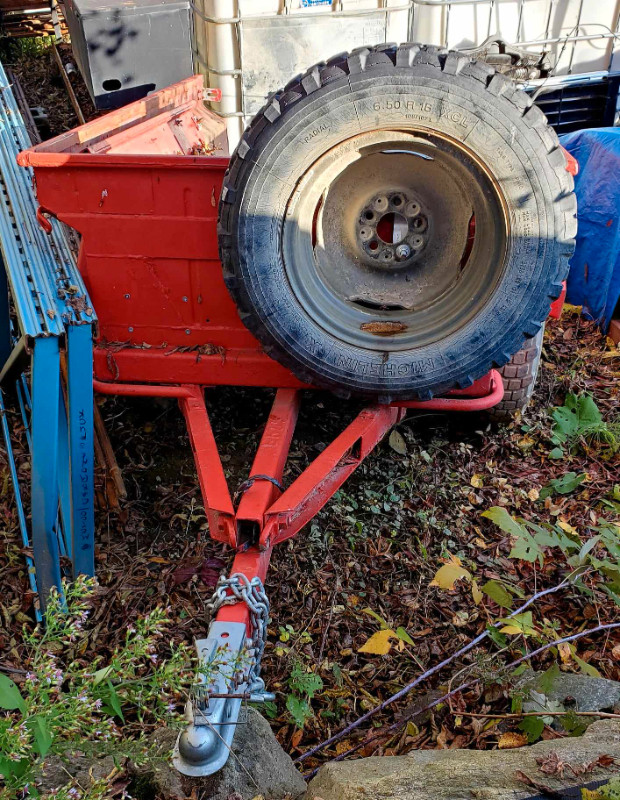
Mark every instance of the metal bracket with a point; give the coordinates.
(203, 748)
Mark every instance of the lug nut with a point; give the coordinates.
(403, 251)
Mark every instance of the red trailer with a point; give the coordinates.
(142, 185)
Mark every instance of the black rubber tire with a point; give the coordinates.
(519, 376)
(366, 90)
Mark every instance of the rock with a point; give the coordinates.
(58, 771)
(256, 766)
(469, 774)
(565, 690)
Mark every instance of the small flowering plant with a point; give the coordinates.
(68, 700)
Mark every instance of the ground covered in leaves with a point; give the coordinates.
(400, 570)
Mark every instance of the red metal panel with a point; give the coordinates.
(230, 367)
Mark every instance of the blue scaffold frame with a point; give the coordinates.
(47, 325)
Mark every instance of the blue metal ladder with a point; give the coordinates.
(51, 326)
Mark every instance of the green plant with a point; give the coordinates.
(598, 553)
(303, 687)
(579, 421)
(67, 700)
(609, 791)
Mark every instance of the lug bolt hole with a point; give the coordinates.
(369, 215)
(412, 209)
(374, 245)
(397, 201)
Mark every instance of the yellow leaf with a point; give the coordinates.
(476, 593)
(511, 739)
(533, 494)
(567, 528)
(379, 643)
(510, 629)
(480, 543)
(477, 481)
(450, 573)
(565, 652)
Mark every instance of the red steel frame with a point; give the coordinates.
(146, 206)
(267, 514)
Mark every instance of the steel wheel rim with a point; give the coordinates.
(415, 196)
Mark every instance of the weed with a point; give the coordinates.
(67, 701)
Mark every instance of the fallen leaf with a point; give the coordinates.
(552, 764)
(476, 593)
(567, 528)
(511, 739)
(477, 481)
(565, 653)
(397, 443)
(450, 573)
(379, 643)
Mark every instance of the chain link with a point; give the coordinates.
(238, 589)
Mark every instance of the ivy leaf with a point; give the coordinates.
(533, 728)
(450, 573)
(10, 696)
(526, 549)
(497, 593)
(379, 643)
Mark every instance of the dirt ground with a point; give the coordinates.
(410, 508)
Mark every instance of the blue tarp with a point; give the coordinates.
(594, 278)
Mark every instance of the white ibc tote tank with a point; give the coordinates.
(249, 48)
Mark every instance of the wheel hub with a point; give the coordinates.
(393, 240)
(392, 228)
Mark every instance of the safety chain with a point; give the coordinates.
(238, 589)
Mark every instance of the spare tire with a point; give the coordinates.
(396, 221)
